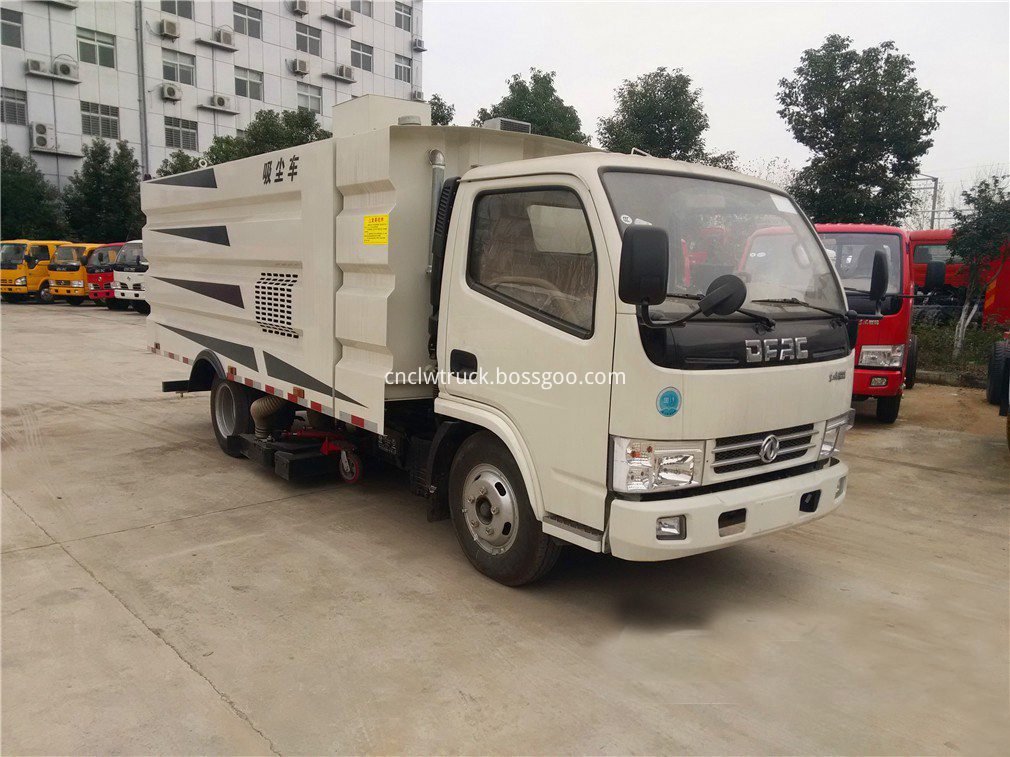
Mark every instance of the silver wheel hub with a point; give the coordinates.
(490, 509)
(224, 409)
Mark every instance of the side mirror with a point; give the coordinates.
(725, 295)
(936, 273)
(645, 265)
(878, 279)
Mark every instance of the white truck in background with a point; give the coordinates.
(128, 274)
(695, 396)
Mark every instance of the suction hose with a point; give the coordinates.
(262, 411)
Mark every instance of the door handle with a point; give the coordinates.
(463, 364)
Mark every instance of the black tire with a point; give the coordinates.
(997, 371)
(45, 295)
(912, 363)
(229, 412)
(12, 298)
(517, 551)
(114, 303)
(887, 408)
(141, 306)
(75, 301)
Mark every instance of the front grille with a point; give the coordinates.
(742, 452)
(138, 287)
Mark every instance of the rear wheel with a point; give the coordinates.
(114, 303)
(912, 365)
(492, 516)
(229, 411)
(45, 294)
(887, 408)
(75, 301)
(997, 366)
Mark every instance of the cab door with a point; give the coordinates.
(39, 272)
(530, 312)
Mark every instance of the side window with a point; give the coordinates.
(40, 253)
(532, 250)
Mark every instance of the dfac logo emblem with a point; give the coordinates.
(769, 448)
(668, 402)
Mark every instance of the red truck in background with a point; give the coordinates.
(100, 276)
(930, 246)
(886, 350)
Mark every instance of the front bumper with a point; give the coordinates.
(11, 289)
(130, 294)
(892, 379)
(64, 291)
(769, 506)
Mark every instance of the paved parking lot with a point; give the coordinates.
(160, 597)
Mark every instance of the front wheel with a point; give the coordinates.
(912, 364)
(114, 303)
(141, 306)
(492, 516)
(229, 412)
(997, 365)
(75, 301)
(887, 408)
(12, 298)
(45, 294)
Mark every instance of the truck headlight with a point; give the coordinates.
(834, 433)
(881, 356)
(21, 281)
(78, 285)
(645, 466)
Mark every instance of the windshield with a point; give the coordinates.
(12, 254)
(716, 228)
(131, 254)
(102, 256)
(853, 257)
(68, 254)
(930, 253)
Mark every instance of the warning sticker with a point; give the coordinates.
(376, 229)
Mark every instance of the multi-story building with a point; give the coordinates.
(172, 74)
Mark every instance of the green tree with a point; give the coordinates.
(981, 241)
(867, 122)
(268, 131)
(178, 162)
(537, 102)
(102, 200)
(31, 205)
(441, 111)
(660, 114)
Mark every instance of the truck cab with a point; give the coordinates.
(887, 351)
(129, 272)
(101, 281)
(69, 272)
(24, 269)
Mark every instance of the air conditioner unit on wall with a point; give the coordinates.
(301, 7)
(417, 45)
(171, 92)
(345, 72)
(226, 37)
(169, 28)
(417, 95)
(508, 124)
(36, 66)
(344, 15)
(43, 136)
(299, 66)
(65, 68)
(220, 101)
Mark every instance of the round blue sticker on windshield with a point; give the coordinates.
(668, 402)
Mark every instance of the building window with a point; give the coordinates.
(402, 69)
(403, 16)
(308, 39)
(362, 6)
(10, 27)
(180, 133)
(178, 66)
(248, 21)
(361, 56)
(310, 97)
(99, 120)
(248, 83)
(13, 107)
(182, 8)
(96, 47)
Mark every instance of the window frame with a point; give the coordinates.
(165, 63)
(96, 116)
(9, 23)
(517, 305)
(97, 44)
(17, 101)
(358, 7)
(247, 82)
(408, 13)
(317, 92)
(172, 7)
(249, 15)
(182, 128)
(359, 53)
(398, 64)
(309, 38)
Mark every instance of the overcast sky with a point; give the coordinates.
(736, 53)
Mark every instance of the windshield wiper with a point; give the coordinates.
(794, 301)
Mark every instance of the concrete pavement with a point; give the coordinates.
(161, 597)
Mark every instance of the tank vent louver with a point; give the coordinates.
(273, 303)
